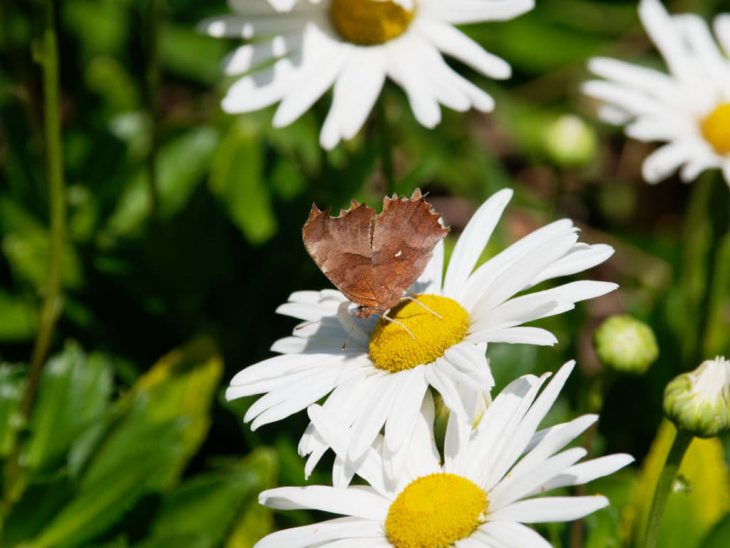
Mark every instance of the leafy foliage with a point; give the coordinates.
(125, 448)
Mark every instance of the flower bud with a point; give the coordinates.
(569, 141)
(626, 344)
(697, 402)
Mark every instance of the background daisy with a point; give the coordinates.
(688, 107)
(376, 374)
(488, 484)
(353, 46)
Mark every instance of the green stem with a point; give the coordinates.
(52, 302)
(680, 444)
(152, 82)
(386, 151)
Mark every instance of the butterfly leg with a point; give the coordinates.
(306, 324)
(347, 340)
(396, 322)
(413, 298)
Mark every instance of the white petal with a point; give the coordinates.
(580, 258)
(511, 535)
(325, 531)
(588, 471)
(338, 437)
(410, 398)
(549, 509)
(523, 432)
(453, 42)
(472, 242)
(516, 335)
(471, 11)
(362, 502)
(553, 440)
(665, 161)
(519, 484)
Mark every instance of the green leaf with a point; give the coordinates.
(11, 392)
(181, 165)
(136, 456)
(25, 244)
(208, 507)
(18, 320)
(719, 537)
(39, 504)
(191, 54)
(160, 424)
(74, 390)
(236, 179)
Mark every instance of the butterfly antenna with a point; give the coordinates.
(306, 324)
(347, 340)
(401, 324)
(411, 297)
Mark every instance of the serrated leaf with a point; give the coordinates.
(236, 179)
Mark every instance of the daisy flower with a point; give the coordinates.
(688, 108)
(489, 483)
(375, 374)
(353, 46)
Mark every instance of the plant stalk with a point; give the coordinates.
(52, 302)
(680, 444)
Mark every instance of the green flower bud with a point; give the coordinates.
(626, 344)
(569, 141)
(698, 402)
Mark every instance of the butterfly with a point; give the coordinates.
(373, 259)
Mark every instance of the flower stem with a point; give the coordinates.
(152, 82)
(52, 302)
(680, 444)
(386, 152)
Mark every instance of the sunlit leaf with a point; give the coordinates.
(74, 391)
(161, 423)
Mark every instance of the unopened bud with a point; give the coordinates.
(626, 344)
(569, 141)
(697, 402)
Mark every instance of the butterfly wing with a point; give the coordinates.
(404, 236)
(341, 248)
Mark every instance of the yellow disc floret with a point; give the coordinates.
(369, 22)
(417, 332)
(716, 129)
(435, 511)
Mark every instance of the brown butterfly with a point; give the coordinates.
(373, 259)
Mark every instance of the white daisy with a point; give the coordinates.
(375, 375)
(488, 484)
(353, 46)
(688, 108)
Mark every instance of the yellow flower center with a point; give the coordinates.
(435, 511)
(716, 128)
(418, 332)
(369, 22)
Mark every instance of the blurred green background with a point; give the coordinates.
(131, 441)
